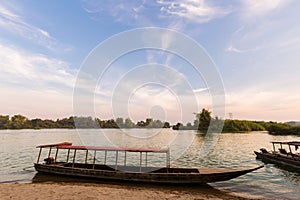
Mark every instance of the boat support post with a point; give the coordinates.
(117, 152)
(74, 157)
(68, 155)
(105, 157)
(56, 154)
(125, 158)
(146, 158)
(140, 161)
(38, 160)
(290, 150)
(49, 152)
(86, 156)
(94, 160)
(168, 158)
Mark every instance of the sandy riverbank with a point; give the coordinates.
(105, 191)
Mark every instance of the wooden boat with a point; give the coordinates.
(89, 167)
(283, 158)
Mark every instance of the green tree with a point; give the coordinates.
(129, 123)
(4, 121)
(166, 125)
(85, 122)
(19, 122)
(204, 119)
(48, 123)
(178, 126)
(157, 124)
(149, 122)
(120, 122)
(141, 124)
(111, 124)
(37, 123)
(189, 125)
(101, 123)
(66, 122)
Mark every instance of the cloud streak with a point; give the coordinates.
(260, 8)
(20, 67)
(15, 24)
(259, 27)
(198, 11)
(144, 12)
(34, 85)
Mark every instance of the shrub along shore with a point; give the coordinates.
(202, 122)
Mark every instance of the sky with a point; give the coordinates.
(255, 46)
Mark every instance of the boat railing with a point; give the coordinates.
(282, 151)
(94, 149)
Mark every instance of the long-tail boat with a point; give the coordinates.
(282, 155)
(89, 165)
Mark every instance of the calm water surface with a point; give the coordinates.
(18, 153)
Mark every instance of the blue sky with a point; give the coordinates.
(254, 44)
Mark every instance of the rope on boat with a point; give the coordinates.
(25, 168)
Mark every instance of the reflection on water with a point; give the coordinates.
(18, 153)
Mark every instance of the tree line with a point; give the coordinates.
(22, 122)
(204, 120)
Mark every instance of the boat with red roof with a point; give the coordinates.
(82, 161)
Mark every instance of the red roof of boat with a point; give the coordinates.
(108, 148)
(68, 145)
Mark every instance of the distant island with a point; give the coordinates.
(203, 120)
(22, 122)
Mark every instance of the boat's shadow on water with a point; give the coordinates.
(183, 188)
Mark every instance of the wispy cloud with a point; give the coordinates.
(129, 12)
(194, 10)
(34, 70)
(34, 85)
(175, 15)
(231, 48)
(259, 8)
(16, 24)
(260, 26)
(199, 90)
(149, 13)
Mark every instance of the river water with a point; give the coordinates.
(188, 149)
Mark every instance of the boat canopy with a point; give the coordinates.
(68, 145)
(296, 144)
(293, 143)
(108, 148)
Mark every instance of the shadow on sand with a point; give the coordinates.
(191, 189)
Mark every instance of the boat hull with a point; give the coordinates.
(287, 162)
(163, 175)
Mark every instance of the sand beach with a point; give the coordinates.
(52, 190)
